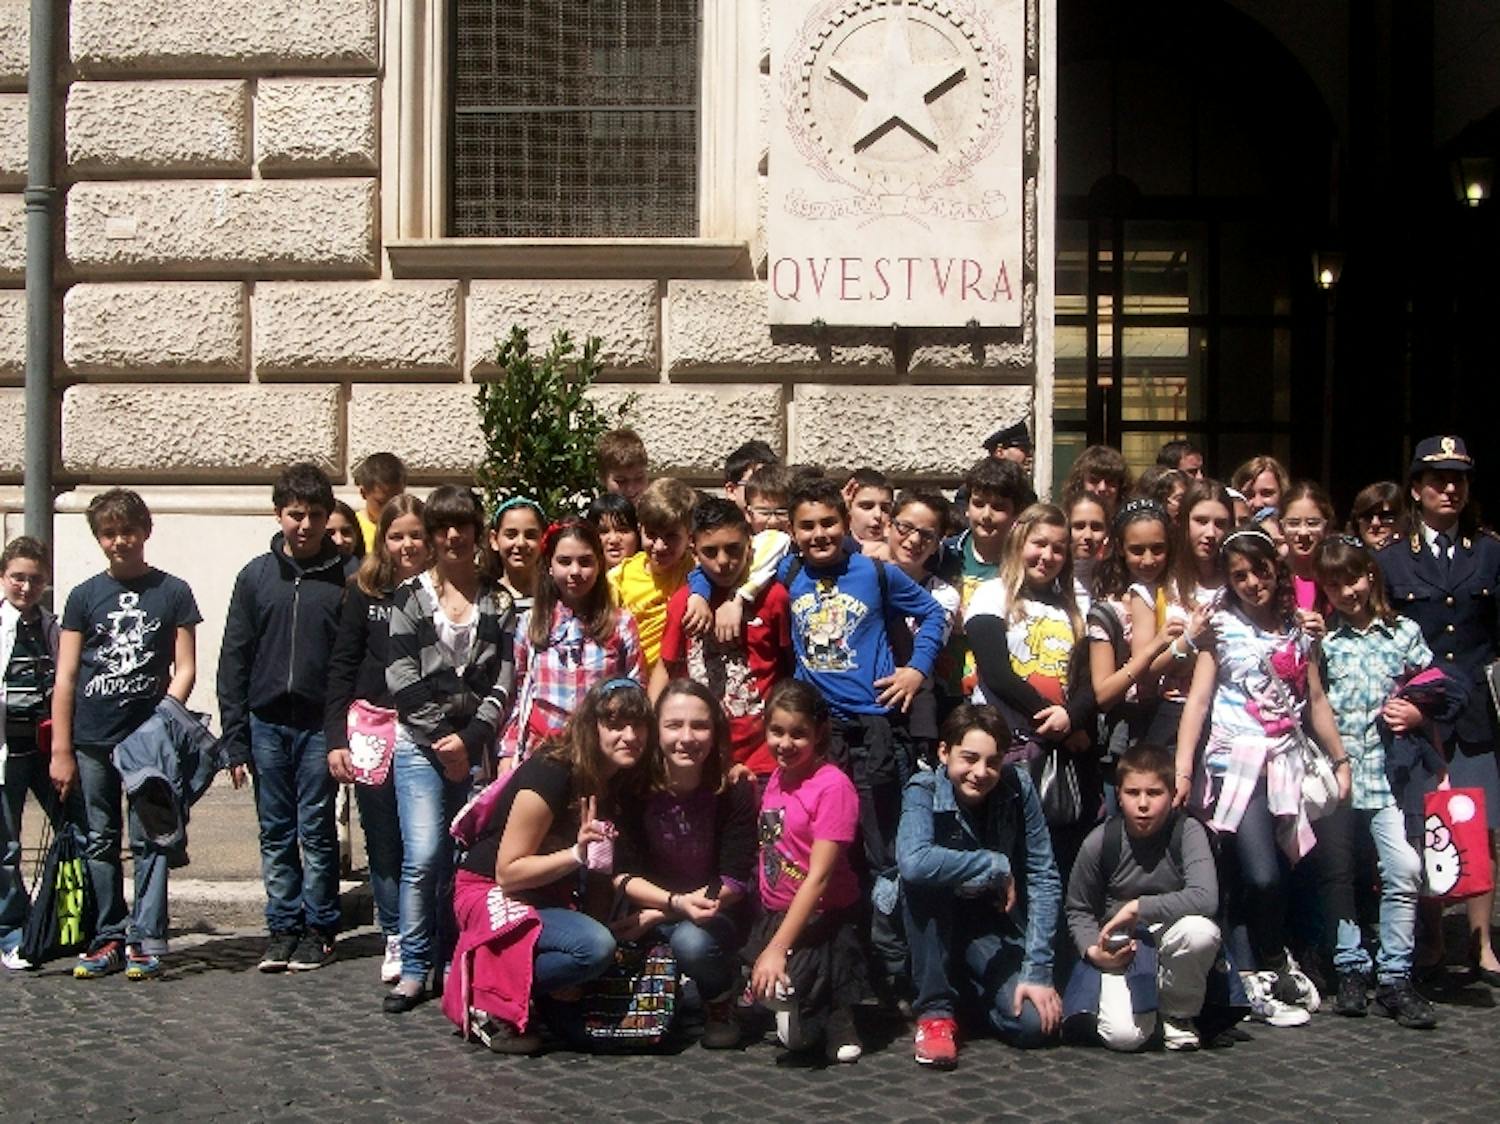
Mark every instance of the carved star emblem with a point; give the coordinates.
(896, 89)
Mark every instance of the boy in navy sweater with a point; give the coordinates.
(273, 673)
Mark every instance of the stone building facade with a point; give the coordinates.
(254, 270)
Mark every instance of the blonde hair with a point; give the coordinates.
(666, 503)
(1012, 575)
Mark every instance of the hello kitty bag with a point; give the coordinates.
(372, 741)
(1455, 845)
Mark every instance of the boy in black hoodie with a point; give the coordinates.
(273, 672)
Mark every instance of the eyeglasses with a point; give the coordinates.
(1384, 515)
(26, 579)
(772, 512)
(1314, 524)
(906, 530)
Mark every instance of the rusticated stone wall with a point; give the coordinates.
(229, 307)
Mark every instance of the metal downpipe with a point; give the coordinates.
(41, 196)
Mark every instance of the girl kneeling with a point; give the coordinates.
(688, 852)
(542, 865)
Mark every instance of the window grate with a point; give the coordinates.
(575, 119)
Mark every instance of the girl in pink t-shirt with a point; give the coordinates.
(805, 948)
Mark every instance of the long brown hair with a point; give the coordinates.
(1184, 564)
(577, 747)
(715, 771)
(597, 613)
(377, 573)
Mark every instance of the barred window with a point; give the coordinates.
(574, 119)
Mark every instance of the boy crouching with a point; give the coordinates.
(1140, 908)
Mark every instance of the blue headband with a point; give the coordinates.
(619, 683)
(518, 501)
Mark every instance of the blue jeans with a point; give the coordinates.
(1256, 884)
(426, 803)
(708, 951)
(571, 949)
(957, 944)
(294, 803)
(1400, 883)
(97, 811)
(381, 821)
(24, 773)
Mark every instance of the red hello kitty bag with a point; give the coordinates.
(1455, 845)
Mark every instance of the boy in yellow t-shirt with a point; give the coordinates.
(645, 581)
(380, 477)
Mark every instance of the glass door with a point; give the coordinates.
(1153, 344)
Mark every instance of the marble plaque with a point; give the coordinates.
(896, 162)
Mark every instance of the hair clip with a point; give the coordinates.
(1264, 513)
(1353, 541)
(1140, 506)
(549, 536)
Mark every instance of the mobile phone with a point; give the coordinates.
(714, 887)
(1114, 942)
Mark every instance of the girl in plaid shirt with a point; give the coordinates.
(1367, 651)
(571, 638)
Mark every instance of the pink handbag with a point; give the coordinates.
(372, 741)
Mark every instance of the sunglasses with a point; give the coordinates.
(1384, 515)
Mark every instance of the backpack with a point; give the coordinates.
(1113, 848)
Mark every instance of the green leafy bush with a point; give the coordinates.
(540, 428)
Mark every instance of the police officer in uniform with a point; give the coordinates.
(1445, 575)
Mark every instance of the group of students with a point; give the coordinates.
(1040, 775)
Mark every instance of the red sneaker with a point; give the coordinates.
(937, 1043)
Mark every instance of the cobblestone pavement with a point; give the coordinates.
(215, 1039)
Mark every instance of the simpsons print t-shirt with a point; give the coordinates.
(129, 634)
(1041, 641)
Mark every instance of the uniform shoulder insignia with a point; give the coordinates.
(1489, 533)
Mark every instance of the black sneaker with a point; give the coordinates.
(1352, 999)
(278, 952)
(313, 951)
(1400, 1001)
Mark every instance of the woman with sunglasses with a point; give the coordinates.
(1376, 517)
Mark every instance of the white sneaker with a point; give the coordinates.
(390, 967)
(1178, 1034)
(1307, 991)
(1265, 1007)
(13, 961)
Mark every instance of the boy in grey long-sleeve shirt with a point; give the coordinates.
(1163, 883)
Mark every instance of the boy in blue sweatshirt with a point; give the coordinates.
(273, 673)
(843, 604)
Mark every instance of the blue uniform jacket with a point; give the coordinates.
(1459, 614)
